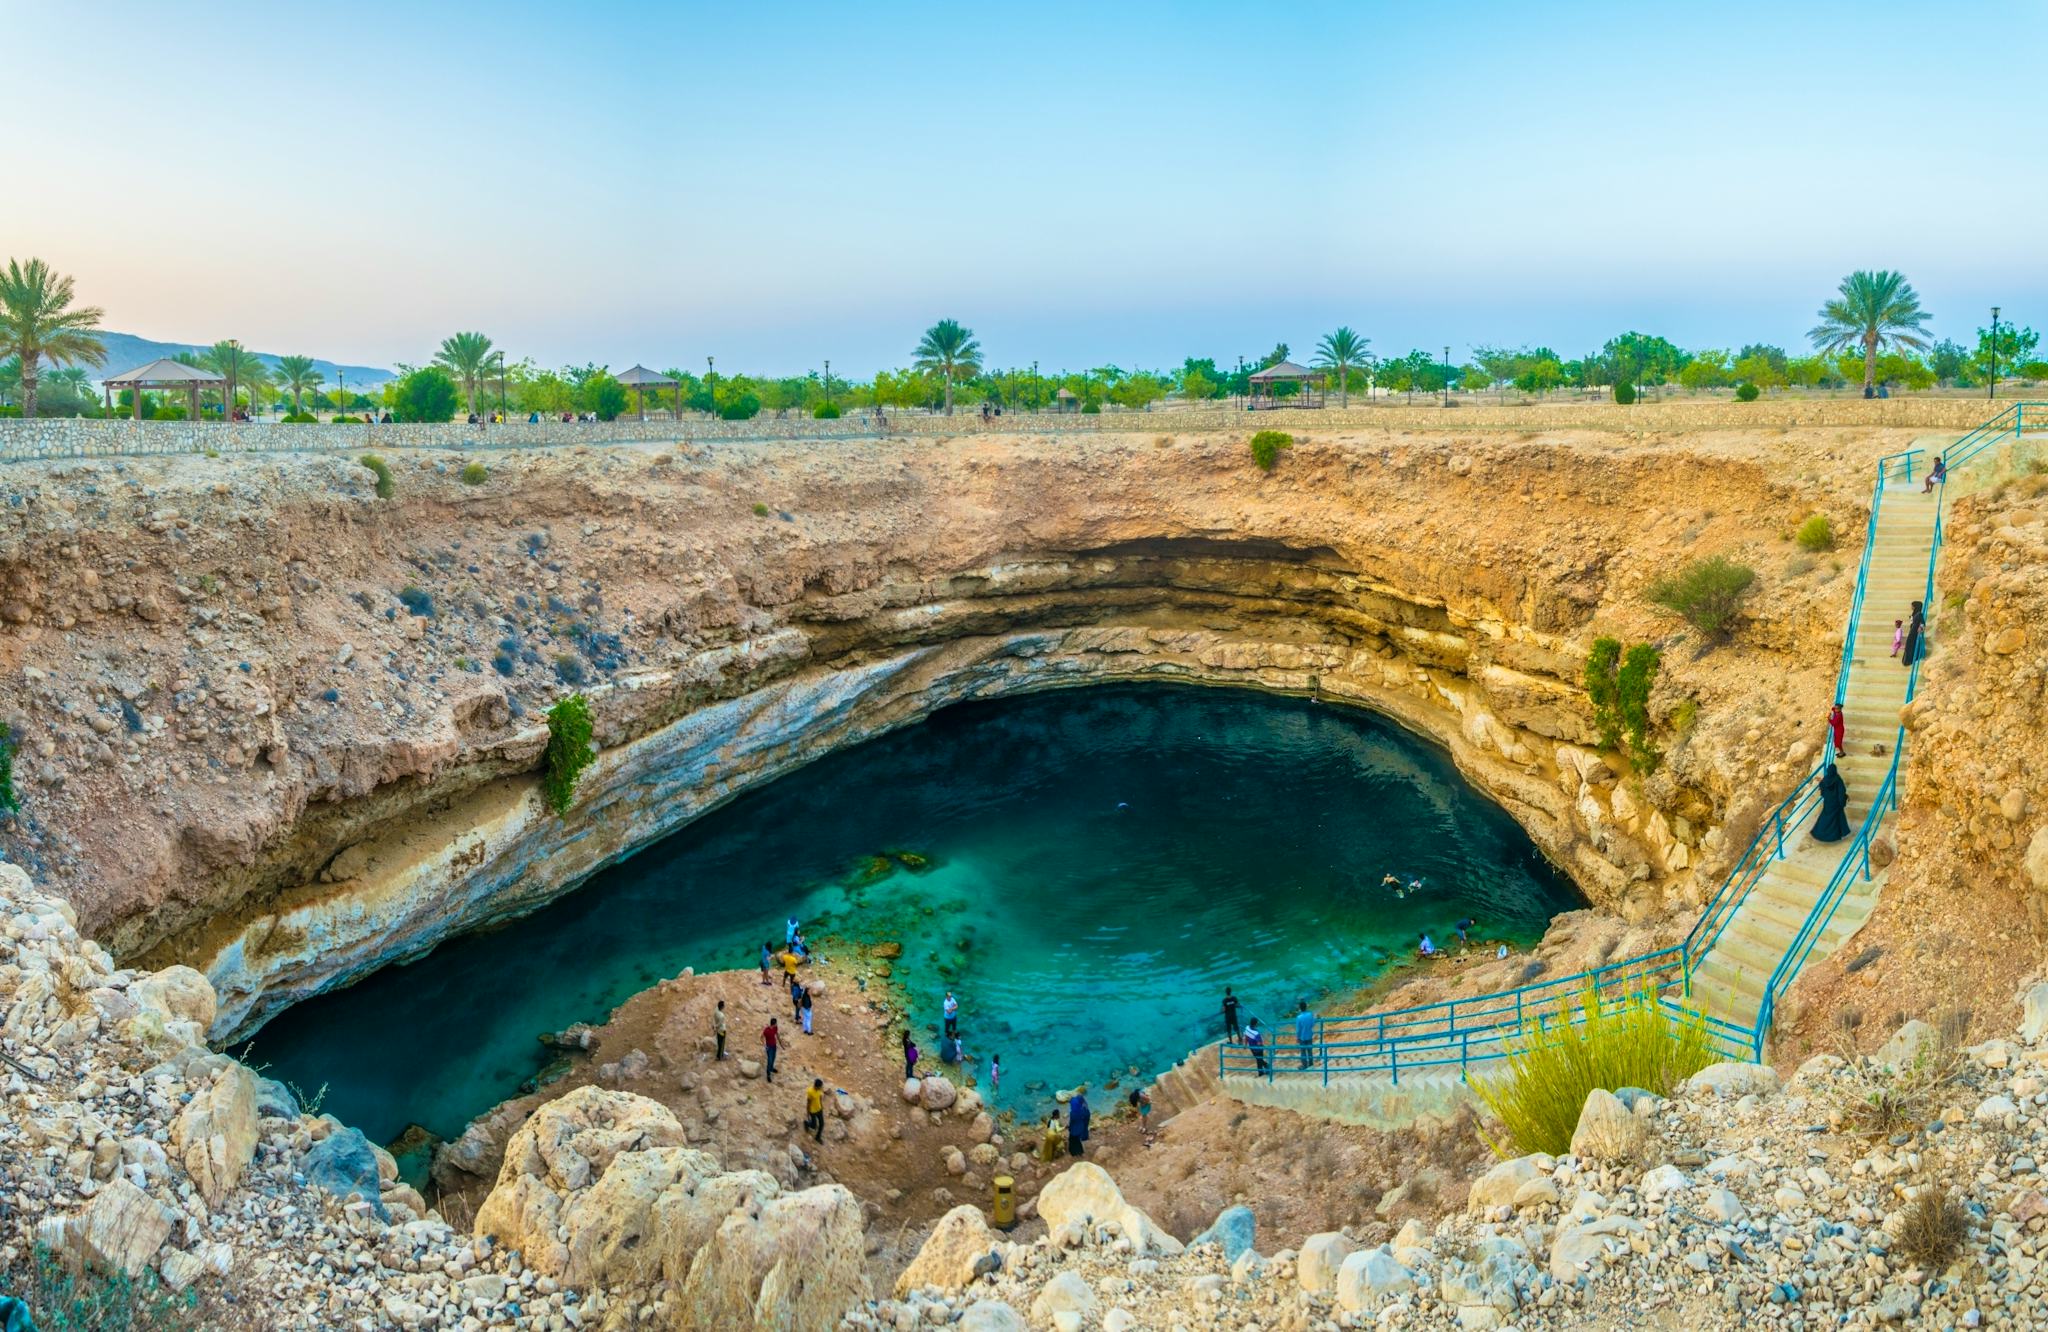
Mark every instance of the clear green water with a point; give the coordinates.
(1103, 862)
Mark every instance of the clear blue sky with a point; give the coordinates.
(1079, 183)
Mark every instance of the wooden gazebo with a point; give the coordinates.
(640, 379)
(1309, 384)
(1066, 401)
(165, 374)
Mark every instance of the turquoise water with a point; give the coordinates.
(1103, 862)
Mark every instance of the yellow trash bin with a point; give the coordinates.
(1004, 1205)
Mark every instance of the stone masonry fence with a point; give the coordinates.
(54, 438)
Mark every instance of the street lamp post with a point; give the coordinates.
(1447, 376)
(1991, 387)
(504, 399)
(828, 379)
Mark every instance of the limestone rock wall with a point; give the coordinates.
(287, 731)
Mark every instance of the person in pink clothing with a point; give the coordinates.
(1898, 636)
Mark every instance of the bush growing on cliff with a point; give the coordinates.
(386, 487)
(475, 474)
(1266, 446)
(569, 751)
(1624, 394)
(1618, 684)
(1612, 1042)
(1816, 533)
(9, 801)
(1708, 593)
(1746, 392)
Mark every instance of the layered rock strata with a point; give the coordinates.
(287, 731)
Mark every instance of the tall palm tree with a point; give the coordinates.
(38, 323)
(297, 375)
(1342, 351)
(1874, 310)
(948, 349)
(234, 362)
(464, 356)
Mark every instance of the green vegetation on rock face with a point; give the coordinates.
(569, 751)
(1266, 446)
(1816, 533)
(1708, 593)
(9, 801)
(475, 474)
(1618, 683)
(1550, 1067)
(386, 487)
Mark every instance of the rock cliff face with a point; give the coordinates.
(288, 732)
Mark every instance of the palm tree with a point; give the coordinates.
(37, 323)
(1342, 351)
(299, 377)
(1874, 310)
(948, 349)
(230, 359)
(464, 356)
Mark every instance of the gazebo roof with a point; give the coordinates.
(163, 372)
(1064, 393)
(1284, 370)
(641, 377)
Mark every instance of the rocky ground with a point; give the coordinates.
(1902, 1188)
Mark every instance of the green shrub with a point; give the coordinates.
(1601, 664)
(826, 411)
(64, 1300)
(1552, 1064)
(427, 394)
(740, 407)
(1816, 534)
(9, 801)
(386, 487)
(1266, 446)
(760, 509)
(346, 420)
(1618, 684)
(1685, 716)
(1745, 392)
(1707, 593)
(1624, 394)
(299, 418)
(569, 751)
(475, 474)
(1091, 409)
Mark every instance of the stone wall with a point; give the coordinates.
(68, 438)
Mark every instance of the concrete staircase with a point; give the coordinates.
(1730, 980)
(1189, 1083)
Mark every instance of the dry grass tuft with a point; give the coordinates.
(1933, 1228)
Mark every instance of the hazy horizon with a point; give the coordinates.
(653, 182)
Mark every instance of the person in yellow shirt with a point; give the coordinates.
(814, 1109)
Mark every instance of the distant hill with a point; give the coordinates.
(125, 351)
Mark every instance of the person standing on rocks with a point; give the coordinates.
(910, 1055)
(796, 999)
(1077, 1125)
(952, 1011)
(814, 1109)
(1231, 1030)
(807, 1012)
(771, 1038)
(718, 1027)
(767, 956)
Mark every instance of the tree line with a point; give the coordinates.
(1872, 332)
